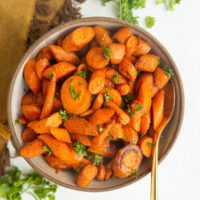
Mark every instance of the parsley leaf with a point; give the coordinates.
(168, 71)
(115, 79)
(107, 97)
(134, 173)
(47, 150)
(130, 111)
(80, 149)
(150, 21)
(150, 145)
(97, 159)
(75, 95)
(106, 51)
(50, 74)
(82, 73)
(63, 115)
(138, 107)
(128, 98)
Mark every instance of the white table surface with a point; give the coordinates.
(179, 173)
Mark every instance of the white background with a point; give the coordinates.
(179, 173)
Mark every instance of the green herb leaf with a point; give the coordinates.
(50, 74)
(115, 79)
(150, 144)
(134, 173)
(107, 97)
(97, 159)
(47, 150)
(82, 73)
(17, 121)
(168, 71)
(63, 115)
(130, 111)
(138, 107)
(80, 149)
(106, 51)
(150, 21)
(128, 98)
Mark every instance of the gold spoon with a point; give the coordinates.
(168, 111)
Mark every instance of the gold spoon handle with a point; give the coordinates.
(154, 174)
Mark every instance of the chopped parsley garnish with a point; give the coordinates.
(47, 150)
(106, 51)
(50, 74)
(115, 79)
(134, 174)
(150, 145)
(63, 115)
(138, 107)
(168, 71)
(14, 184)
(97, 159)
(75, 95)
(82, 73)
(107, 97)
(128, 98)
(130, 111)
(150, 21)
(17, 121)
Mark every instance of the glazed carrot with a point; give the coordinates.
(97, 82)
(61, 134)
(60, 70)
(135, 123)
(78, 39)
(83, 139)
(117, 52)
(142, 48)
(146, 144)
(102, 35)
(32, 149)
(80, 126)
(45, 53)
(131, 45)
(28, 135)
(122, 116)
(147, 63)
(56, 163)
(75, 96)
(45, 86)
(49, 99)
(101, 172)
(86, 176)
(160, 78)
(87, 113)
(127, 160)
(145, 123)
(116, 131)
(59, 42)
(62, 56)
(122, 35)
(31, 112)
(158, 109)
(130, 135)
(61, 150)
(57, 105)
(131, 59)
(93, 44)
(108, 174)
(98, 102)
(96, 59)
(127, 69)
(101, 116)
(113, 95)
(31, 77)
(109, 84)
(124, 89)
(22, 120)
(44, 125)
(40, 66)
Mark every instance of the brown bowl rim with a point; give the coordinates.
(79, 21)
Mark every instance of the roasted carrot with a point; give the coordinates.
(40, 66)
(44, 125)
(49, 99)
(78, 39)
(147, 63)
(102, 36)
(32, 149)
(160, 78)
(146, 144)
(124, 89)
(97, 82)
(98, 102)
(96, 59)
(145, 123)
(117, 52)
(60, 70)
(32, 99)
(117, 131)
(31, 77)
(158, 109)
(75, 96)
(45, 53)
(131, 45)
(109, 84)
(113, 95)
(31, 112)
(61, 134)
(102, 116)
(87, 113)
(22, 120)
(142, 48)
(83, 139)
(130, 135)
(62, 56)
(101, 172)
(80, 126)
(122, 35)
(28, 135)
(86, 176)
(57, 105)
